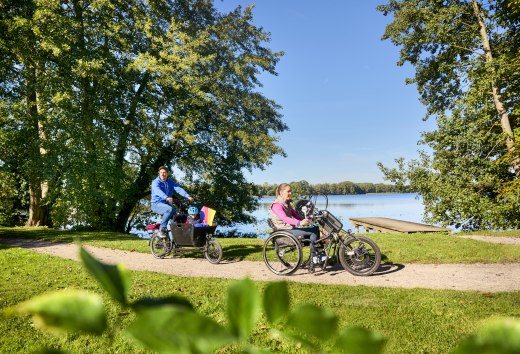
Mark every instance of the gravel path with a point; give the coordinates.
(495, 239)
(479, 277)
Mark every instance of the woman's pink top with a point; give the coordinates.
(278, 209)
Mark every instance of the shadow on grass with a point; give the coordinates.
(240, 252)
(62, 236)
(3, 247)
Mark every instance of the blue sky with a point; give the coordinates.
(342, 94)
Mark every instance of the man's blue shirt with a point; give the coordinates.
(162, 190)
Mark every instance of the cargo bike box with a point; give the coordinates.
(190, 235)
(186, 238)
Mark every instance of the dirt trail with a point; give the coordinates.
(479, 277)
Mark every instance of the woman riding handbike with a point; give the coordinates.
(283, 250)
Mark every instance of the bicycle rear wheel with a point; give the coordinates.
(282, 253)
(213, 252)
(359, 255)
(159, 246)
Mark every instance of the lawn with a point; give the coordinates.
(412, 320)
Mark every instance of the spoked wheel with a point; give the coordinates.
(213, 252)
(360, 255)
(282, 253)
(159, 246)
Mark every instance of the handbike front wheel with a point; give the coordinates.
(282, 253)
(159, 246)
(359, 255)
(213, 252)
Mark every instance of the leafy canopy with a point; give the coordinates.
(462, 55)
(95, 96)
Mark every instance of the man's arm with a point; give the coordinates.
(179, 190)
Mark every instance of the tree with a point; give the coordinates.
(22, 116)
(127, 86)
(462, 58)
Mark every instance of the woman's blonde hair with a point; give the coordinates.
(281, 187)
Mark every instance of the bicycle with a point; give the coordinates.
(185, 238)
(283, 253)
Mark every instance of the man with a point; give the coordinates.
(162, 191)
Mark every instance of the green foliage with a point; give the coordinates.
(115, 279)
(500, 336)
(243, 308)
(466, 180)
(276, 302)
(173, 329)
(13, 200)
(95, 96)
(310, 319)
(361, 341)
(68, 310)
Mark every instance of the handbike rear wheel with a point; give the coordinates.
(282, 253)
(359, 255)
(213, 252)
(159, 246)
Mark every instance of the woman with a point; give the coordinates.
(284, 217)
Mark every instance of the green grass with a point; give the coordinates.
(395, 248)
(412, 320)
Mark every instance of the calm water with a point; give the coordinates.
(403, 206)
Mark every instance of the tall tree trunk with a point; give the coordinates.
(497, 98)
(38, 188)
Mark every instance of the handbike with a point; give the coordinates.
(283, 252)
(185, 238)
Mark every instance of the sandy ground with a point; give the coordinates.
(479, 277)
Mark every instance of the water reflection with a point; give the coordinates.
(403, 206)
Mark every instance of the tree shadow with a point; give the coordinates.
(235, 253)
(64, 236)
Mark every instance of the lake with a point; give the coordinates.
(402, 206)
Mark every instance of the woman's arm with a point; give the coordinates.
(295, 214)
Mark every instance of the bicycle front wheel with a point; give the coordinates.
(359, 255)
(159, 246)
(282, 253)
(213, 252)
